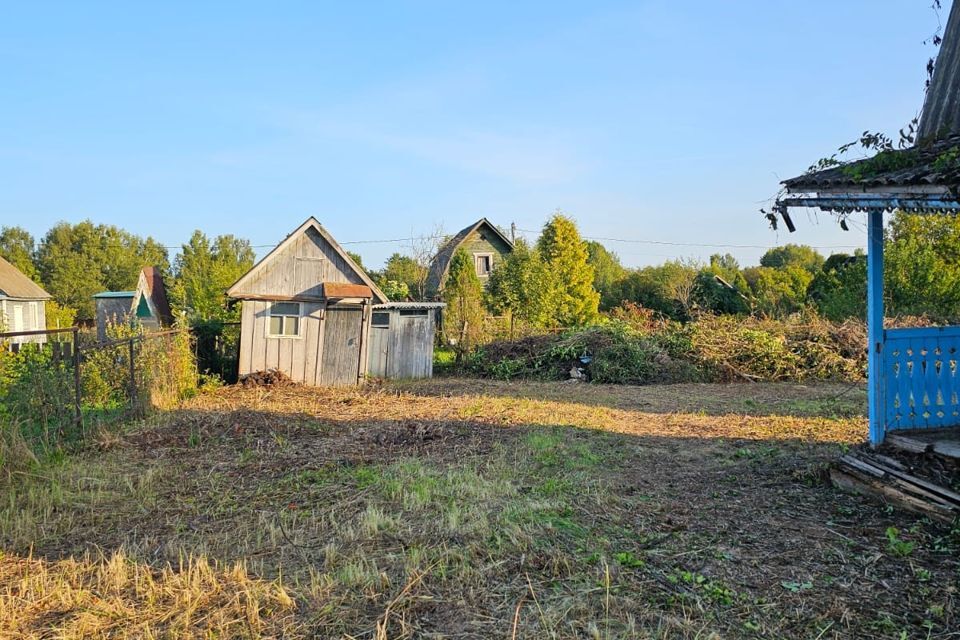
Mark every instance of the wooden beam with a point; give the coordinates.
(276, 298)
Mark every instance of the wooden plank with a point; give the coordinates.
(285, 348)
(850, 480)
(862, 466)
(321, 338)
(246, 336)
(258, 342)
(310, 321)
(907, 444)
(283, 298)
(948, 448)
(943, 493)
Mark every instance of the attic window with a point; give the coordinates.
(284, 321)
(484, 262)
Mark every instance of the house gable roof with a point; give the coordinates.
(237, 289)
(14, 284)
(440, 264)
(151, 286)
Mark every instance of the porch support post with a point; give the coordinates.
(875, 382)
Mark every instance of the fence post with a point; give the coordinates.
(78, 414)
(133, 381)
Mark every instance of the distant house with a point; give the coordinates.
(482, 241)
(147, 303)
(22, 303)
(307, 308)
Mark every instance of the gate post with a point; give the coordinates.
(875, 381)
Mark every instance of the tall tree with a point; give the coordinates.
(17, 247)
(463, 316)
(572, 298)
(399, 270)
(922, 266)
(778, 292)
(204, 271)
(668, 288)
(796, 255)
(839, 291)
(720, 286)
(519, 286)
(607, 272)
(77, 261)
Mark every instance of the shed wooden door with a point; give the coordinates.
(342, 336)
(412, 346)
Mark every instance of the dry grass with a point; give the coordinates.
(468, 509)
(118, 598)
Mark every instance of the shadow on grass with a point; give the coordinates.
(826, 399)
(460, 526)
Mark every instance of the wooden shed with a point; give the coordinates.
(306, 311)
(402, 336)
(147, 303)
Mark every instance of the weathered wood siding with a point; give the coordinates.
(404, 349)
(327, 352)
(111, 311)
(300, 270)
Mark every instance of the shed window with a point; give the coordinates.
(413, 312)
(484, 262)
(380, 319)
(285, 319)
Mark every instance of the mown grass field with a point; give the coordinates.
(473, 509)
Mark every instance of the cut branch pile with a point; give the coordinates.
(268, 378)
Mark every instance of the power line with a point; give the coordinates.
(696, 244)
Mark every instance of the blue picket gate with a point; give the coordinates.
(921, 381)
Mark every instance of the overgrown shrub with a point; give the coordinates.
(637, 346)
(36, 395)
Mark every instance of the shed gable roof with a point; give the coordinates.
(241, 286)
(14, 284)
(440, 264)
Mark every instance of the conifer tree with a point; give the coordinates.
(571, 298)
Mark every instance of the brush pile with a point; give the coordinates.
(268, 378)
(635, 348)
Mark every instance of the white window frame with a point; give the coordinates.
(476, 264)
(299, 317)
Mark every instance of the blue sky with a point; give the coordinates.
(656, 120)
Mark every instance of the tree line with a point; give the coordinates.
(561, 280)
(73, 262)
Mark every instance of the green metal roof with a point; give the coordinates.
(115, 294)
